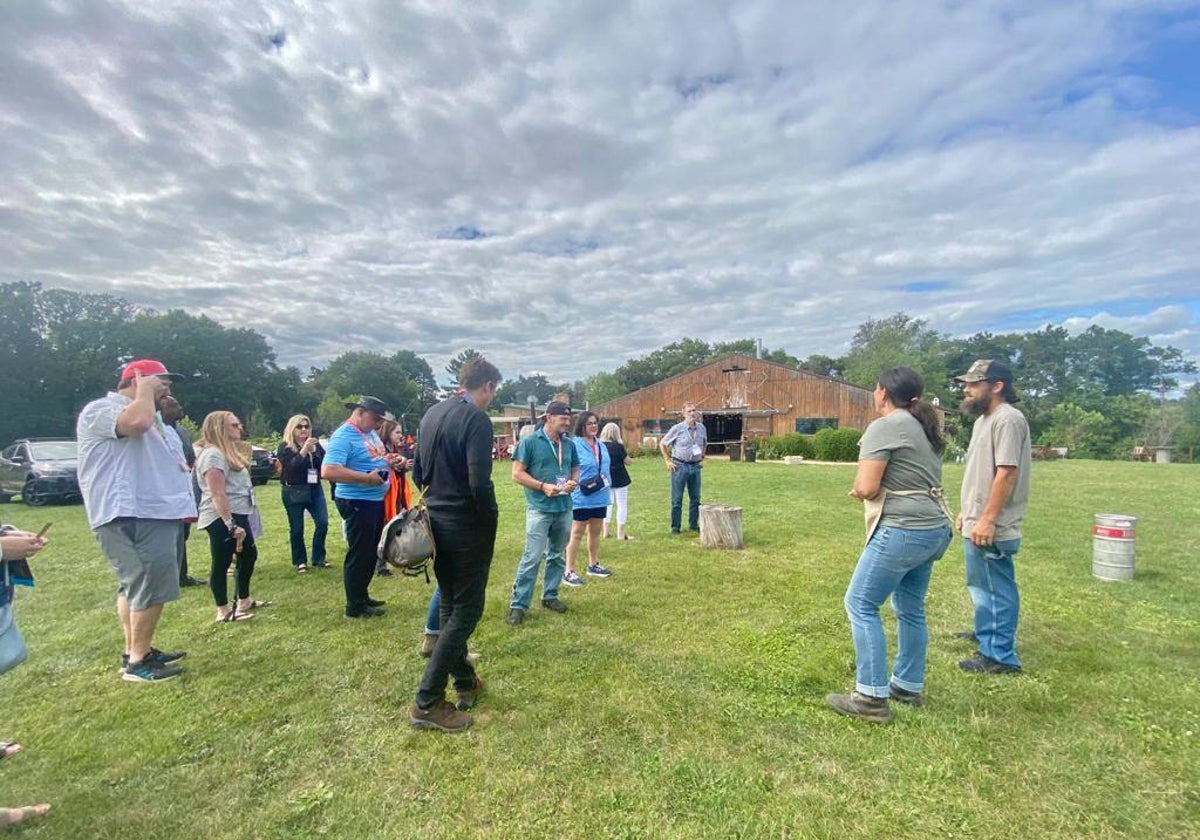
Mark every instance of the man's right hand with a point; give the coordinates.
(670, 465)
(147, 386)
(20, 545)
(958, 523)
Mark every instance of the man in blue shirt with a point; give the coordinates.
(683, 448)
(357, 462)
(547, 467)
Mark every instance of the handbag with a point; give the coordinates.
(407, 540)
(297, 494)
(596, 484)
(256, 523)
(12, 645)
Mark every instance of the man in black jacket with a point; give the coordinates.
(454, 461)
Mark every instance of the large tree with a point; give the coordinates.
(359, 372)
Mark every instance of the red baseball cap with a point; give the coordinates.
(147, 367)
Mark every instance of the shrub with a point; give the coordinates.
(793, 443)
(836, 444)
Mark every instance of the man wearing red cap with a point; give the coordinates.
(137, 492)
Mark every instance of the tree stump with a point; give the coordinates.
(720, 526)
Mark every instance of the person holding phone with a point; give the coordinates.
(137, 492)
(396, 499)
(361, 467)
(226, 505)
(300, 457)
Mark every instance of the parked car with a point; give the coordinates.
(262, 465)
(40, 470)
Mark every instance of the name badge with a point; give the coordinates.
(605, 479)
(697, 451)
(312, 477)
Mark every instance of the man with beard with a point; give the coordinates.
(995, 494)
(137, 491)
(172, 413)
(454, 466)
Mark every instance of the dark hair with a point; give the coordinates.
(904, 387)
(477, 372)
(1009, 393)
(385, 433)
(581, 422)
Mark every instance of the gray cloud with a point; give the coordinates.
(780, 170)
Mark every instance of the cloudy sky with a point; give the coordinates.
(565, 185)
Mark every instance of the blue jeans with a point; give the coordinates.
(317, 506)
(433, 619)
(896, 562)
(545, 533)
(992, 582)
(685, 475)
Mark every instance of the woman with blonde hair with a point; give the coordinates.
(610, 435)
(299, 457)
(226, 504)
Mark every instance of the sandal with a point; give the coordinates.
(233, 615)
(256, 605)
(8, 748)
(12, 816)
(302, 570)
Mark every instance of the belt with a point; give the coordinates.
(681, 461)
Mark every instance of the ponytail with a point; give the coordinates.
(904, 387)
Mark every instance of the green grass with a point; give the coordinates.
(681, 698)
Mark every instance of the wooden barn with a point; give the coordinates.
(742, 398)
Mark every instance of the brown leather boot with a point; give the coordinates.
(428, 644)
(441, 716)
(467, 697)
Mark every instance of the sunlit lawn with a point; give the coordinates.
(681, 698)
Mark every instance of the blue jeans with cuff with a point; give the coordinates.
(545, 533)
(896, 562)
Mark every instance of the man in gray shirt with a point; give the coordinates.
(683, 449)
(995, 494)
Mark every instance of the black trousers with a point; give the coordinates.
(464, 558)
(222, 545)
(364, 526)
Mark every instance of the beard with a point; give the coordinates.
(972, 407)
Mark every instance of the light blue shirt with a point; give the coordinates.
(141, 476)
(684, 440)
(356, 450)
(589, 469)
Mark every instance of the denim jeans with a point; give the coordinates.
(317, 506)
(896, 562)
(465, 544)
(992, 582)
(545, 533)
(685, 475)
(433, 619)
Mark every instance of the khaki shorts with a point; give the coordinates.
(144, 554)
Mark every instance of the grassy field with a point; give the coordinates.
(681, 698)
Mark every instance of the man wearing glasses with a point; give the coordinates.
(360, 466)
(683, 449)
(137, 492)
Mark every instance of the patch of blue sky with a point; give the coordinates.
(464, 232)
(564, 248)
(1031, 318)
(923, 286)
(1171, 65)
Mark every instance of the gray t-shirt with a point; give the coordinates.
(911, 465)
(143, 476)
(1000, 438)
(237, 486)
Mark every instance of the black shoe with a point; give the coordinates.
(980, 664)
(321, 566)
(191, 581)
(384, 572)
(372, 602)
(674, 530)
(695, 528)
(967, 636)
(515, 616)
(365, 612)
(162, 657)
(903, 695)
(554, 605)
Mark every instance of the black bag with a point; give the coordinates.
(297, 494)
(595, 485)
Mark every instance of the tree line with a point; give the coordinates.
(1099, 392)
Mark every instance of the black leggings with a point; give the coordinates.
(222, 545)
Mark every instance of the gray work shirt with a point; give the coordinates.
(1000, 438)
(912, 464)
(238, 486)
(141, 476)
(686, 442)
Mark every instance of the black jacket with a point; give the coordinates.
(454, 459)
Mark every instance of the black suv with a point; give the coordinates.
(40, 470)
(262, 465)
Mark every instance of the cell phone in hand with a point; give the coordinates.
(45, 528)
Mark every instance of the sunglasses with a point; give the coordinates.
(302, 426)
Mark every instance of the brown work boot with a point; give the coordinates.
(467, 697)
(874, 709)
(429, 643)
(441, 716)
